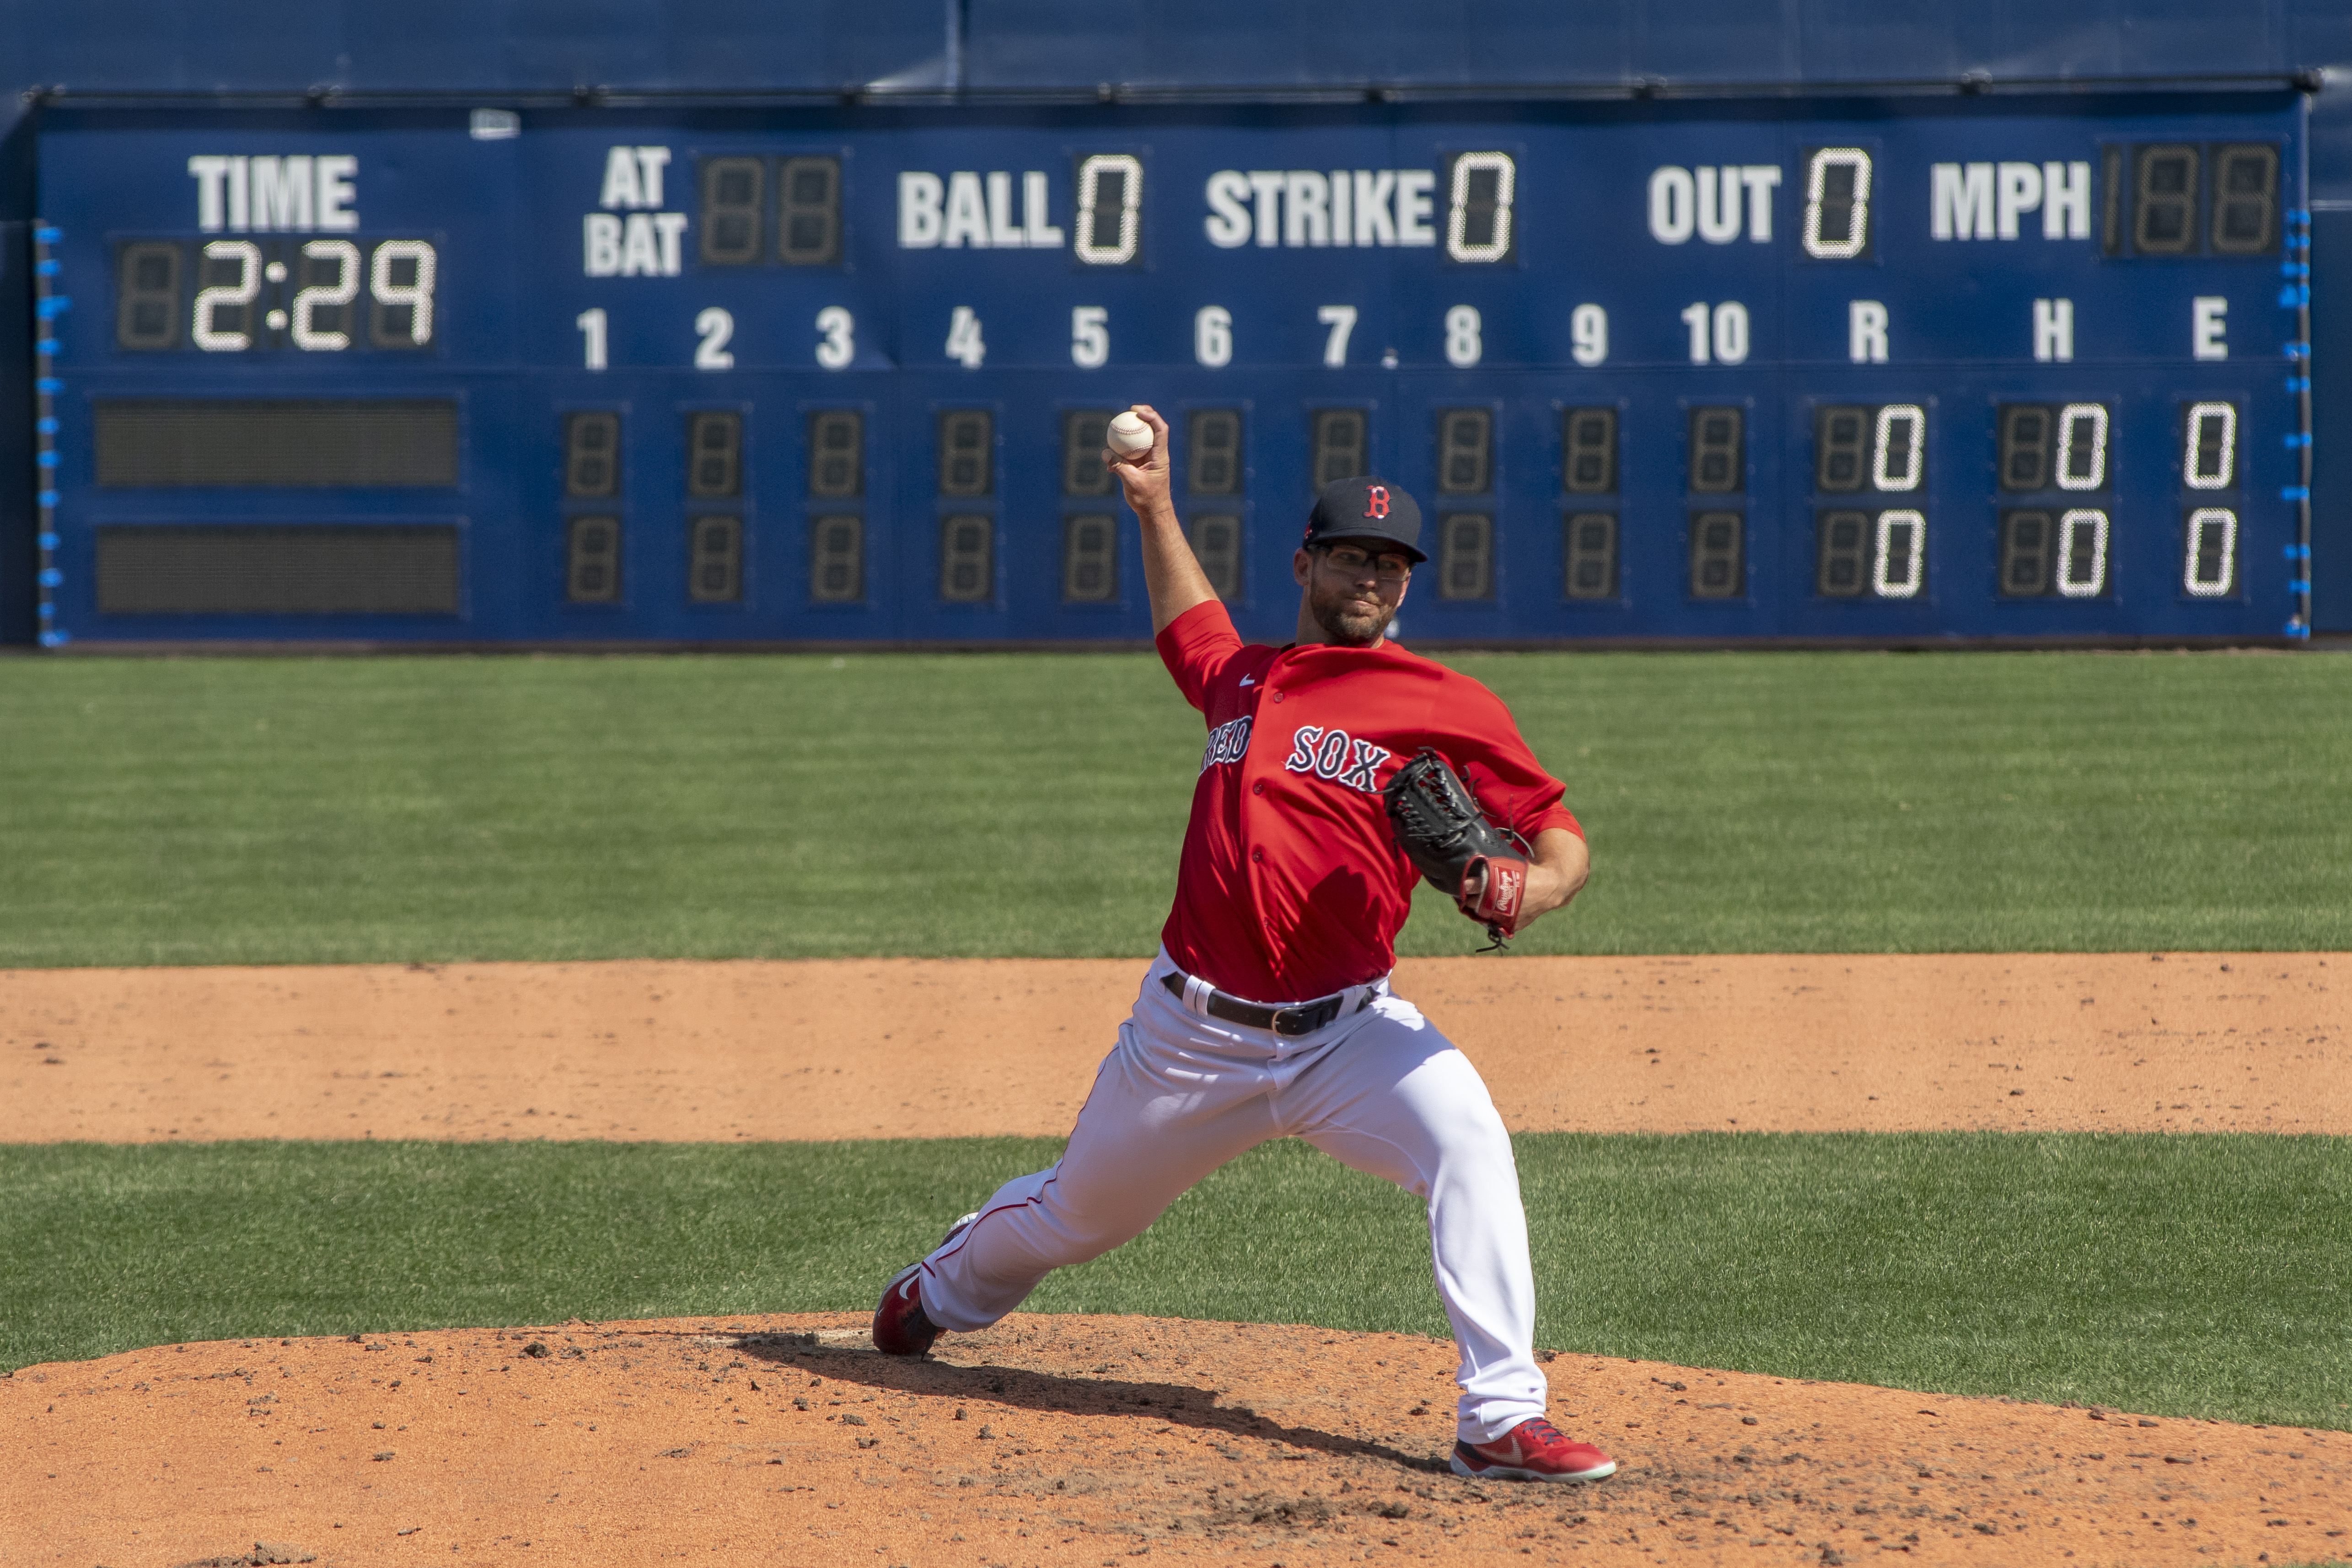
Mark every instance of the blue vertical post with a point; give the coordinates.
(47, 306)
(2295, 295)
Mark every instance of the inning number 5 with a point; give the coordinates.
(1090, 337)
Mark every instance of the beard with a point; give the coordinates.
(1348, 620)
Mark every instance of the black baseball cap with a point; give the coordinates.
(1366, 508)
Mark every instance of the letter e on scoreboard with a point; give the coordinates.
(2209, 326)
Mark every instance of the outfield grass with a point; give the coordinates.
(2193, 1276)
(226, 810)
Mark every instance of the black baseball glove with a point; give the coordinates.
(1482, 868)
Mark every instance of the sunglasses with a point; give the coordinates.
(1386, 567)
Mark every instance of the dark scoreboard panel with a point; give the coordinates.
(1981, 369)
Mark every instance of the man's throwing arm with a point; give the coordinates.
(1171, 575)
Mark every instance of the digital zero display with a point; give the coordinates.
(1977, 370)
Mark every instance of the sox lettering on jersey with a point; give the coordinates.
(1303, 805)
(1335, 755)
(1228, 743)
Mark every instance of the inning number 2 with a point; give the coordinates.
(716, 328)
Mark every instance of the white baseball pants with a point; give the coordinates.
(1377, 1088)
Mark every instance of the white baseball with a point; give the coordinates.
(1128, 434)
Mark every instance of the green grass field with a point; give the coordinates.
(2192, 1276)
(209, 811)
(164, 811)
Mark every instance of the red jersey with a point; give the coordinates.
(1292, 886)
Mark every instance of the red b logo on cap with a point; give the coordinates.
(1378, 496)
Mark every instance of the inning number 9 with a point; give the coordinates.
(1588, 332)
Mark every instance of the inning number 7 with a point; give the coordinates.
(1341, 319)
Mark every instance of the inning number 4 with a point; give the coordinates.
(965, 344)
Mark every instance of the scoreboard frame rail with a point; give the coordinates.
(1815, 324)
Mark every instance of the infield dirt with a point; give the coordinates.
(1074, 1440)
(1080, 1440)
(920, 1048)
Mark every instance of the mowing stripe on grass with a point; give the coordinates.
(1002, 805)
(2184, 1274)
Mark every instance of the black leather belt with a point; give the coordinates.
(1304, 1019)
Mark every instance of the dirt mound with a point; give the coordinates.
(2039, 1042)
(1078, 1440)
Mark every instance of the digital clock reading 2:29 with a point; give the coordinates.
(236, 296)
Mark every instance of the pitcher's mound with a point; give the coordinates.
(1077, 1440)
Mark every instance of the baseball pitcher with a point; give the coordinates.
(1339, 769)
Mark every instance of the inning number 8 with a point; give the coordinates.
(1463, 346)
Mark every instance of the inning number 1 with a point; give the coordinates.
(591, 324)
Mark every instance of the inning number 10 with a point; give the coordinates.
(1718, 334)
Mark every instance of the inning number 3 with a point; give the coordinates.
(839, 329)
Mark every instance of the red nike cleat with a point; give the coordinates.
(1534, 1450)
(900, 1326)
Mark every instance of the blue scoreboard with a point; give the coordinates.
(1885, 370)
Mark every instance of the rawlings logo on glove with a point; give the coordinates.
(1482, 868)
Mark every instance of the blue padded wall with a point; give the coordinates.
(1032, 43)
